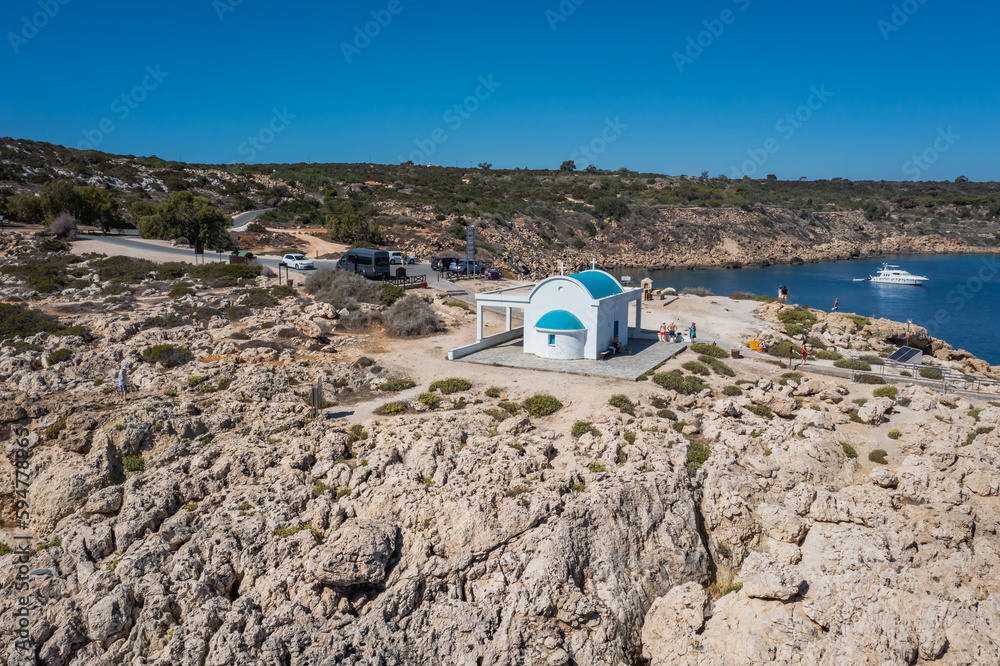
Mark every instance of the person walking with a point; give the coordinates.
(663, 331)
(836, 304)
(693, 332)
(123, 383)
(805, 353)
(784, 294)
(781, 288)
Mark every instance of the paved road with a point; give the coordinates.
(162, 251)
(243, 219)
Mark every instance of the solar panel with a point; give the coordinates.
(907, 355)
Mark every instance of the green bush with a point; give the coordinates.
(861, 366)
(596, 468)
(497, 414)
(849, 451)
(783, 349)
(931, 373)
(392, 409)
(790, 376)
(718, 367)
(761, 411)
(493, 392)
(582, 427)
(858, 319)
(863, 378)
(886, 392)
(52, 432)
(697, 455)
(696, 368)
(356, 433)
(667, 414)
(459, 304)
(16, 320)
(676, 381)
(714, 351)
(194, 380)
(452, 385)
(168, 356)
(390, 293)
(429, 400)
(181, 289)
(905, 373)
(827, 355)
(542, 404)
(623, 403)
(134, 463)
(895, 433)
(510, 407)
(878, 456)
(797, 316)
(395, 385)
(58, 356)
(732, 391)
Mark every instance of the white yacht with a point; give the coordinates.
(896, 275)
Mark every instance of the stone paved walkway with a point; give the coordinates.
(645, 354)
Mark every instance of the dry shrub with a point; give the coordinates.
(410, 317)
(63, 227)
(342, 289)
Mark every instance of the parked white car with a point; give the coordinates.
(396, 257)
(297, 261)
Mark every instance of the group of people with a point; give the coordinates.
(672, 333)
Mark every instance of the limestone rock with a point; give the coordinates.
(357, 554)
(671, 624)
(766, 578)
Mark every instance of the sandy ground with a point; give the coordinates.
(316, 247)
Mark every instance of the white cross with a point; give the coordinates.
(593, 264)
(562, 269)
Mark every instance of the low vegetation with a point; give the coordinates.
(392, 409)
(396, 385)
(168, 356)
(878, 456)
(697, 455)
(849, 451)
(715, 351)
(581, 428)
(886, 392)
(623, 403)
(675, 380)
(452, 385)
(542, 404)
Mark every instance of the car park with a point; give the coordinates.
(297, 261)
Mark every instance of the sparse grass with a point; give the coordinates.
(194, 380)
(181, 289)
(732, 391)
(191, 506)
(790, 376)
(712, 350)
(827, 355)
(429, 482)
(857, 364)
(895, 433)
(717, 366)
(865, 378)
(429, 400)
(629, 437)
(541, 404)
(511, 408)
(905, 373)
(849, 450)
(623, 403)
(878, 456)
(459, 304)
(169, 356)
(452, 385)
(577, 486)
(860, 321)
(54, 542)
(732, 587)
(319, 487)
(285, 532)
(497, 414)
(396, 385)
(931, 373)
(493, 392)
(356, 433)
(580, 428)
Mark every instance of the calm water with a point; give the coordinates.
(960, 303)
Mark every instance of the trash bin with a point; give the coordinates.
(735, 353)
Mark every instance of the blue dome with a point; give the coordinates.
(598, 283)
(559, 320)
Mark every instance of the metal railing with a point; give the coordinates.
(928, 375)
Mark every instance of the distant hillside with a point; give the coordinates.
(529, 220)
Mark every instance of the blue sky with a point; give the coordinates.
(652, 86)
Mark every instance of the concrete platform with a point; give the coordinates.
(646, 354)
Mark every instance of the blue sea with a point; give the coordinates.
(960, 304)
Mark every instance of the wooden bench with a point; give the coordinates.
(605, 355)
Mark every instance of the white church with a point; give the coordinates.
(567, 316)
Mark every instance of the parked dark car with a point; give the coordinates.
(443, 264)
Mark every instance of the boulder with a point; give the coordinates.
(766, 578)
(356, 554)
(671, 624)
